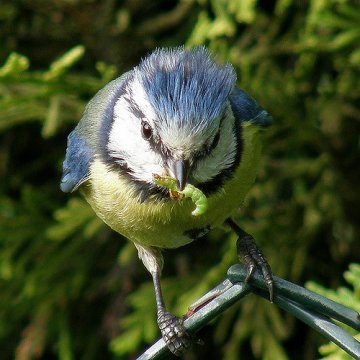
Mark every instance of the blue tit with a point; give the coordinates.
(178, 114)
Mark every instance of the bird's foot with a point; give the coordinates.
(174, 333)
(254, 259)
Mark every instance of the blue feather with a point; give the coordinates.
(76, 164)
(245, 108)
(186, 87)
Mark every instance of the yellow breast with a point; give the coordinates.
(168, 223)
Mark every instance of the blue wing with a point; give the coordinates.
(77, 162)
(245, 108)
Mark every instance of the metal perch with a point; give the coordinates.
(314, 310)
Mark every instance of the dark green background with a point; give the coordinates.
(72, 289)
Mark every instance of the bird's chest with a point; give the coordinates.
(167, 223)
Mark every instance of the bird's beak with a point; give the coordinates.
(180, 169)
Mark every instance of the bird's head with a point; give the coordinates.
(174, 118)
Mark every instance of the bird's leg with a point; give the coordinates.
(172, 329)
(251, 255)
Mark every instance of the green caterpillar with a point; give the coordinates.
(190, 191)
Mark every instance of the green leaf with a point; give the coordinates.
(128, 342)
(76, 215)
(52, 119)
(244, 10)
(347, 38)
(14, 65)
(60, 66)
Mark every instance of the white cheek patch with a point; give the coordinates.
(222, 157)
(127, 143)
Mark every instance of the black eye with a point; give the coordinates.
(216, 140)
(146, 130)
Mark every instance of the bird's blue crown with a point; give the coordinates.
(186, 86)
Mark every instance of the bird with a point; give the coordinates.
(178, 113)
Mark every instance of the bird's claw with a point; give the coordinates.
(254, 259)
(174, 333)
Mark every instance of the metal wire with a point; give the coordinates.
(313, 309)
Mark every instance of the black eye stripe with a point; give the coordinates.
(216, 139)
(164, 150)
(214, 142)
(134, 108)
(207, 149)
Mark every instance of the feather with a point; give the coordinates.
(186, 87)
(91, 132)
(76, 164)
(245, 108)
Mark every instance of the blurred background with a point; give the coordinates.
(70, 288)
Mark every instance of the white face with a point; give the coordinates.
(126, 143)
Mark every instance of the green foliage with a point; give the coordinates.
(72, 289)
(345, 296)
(40, 269)
(139, 325)
(41, 96)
